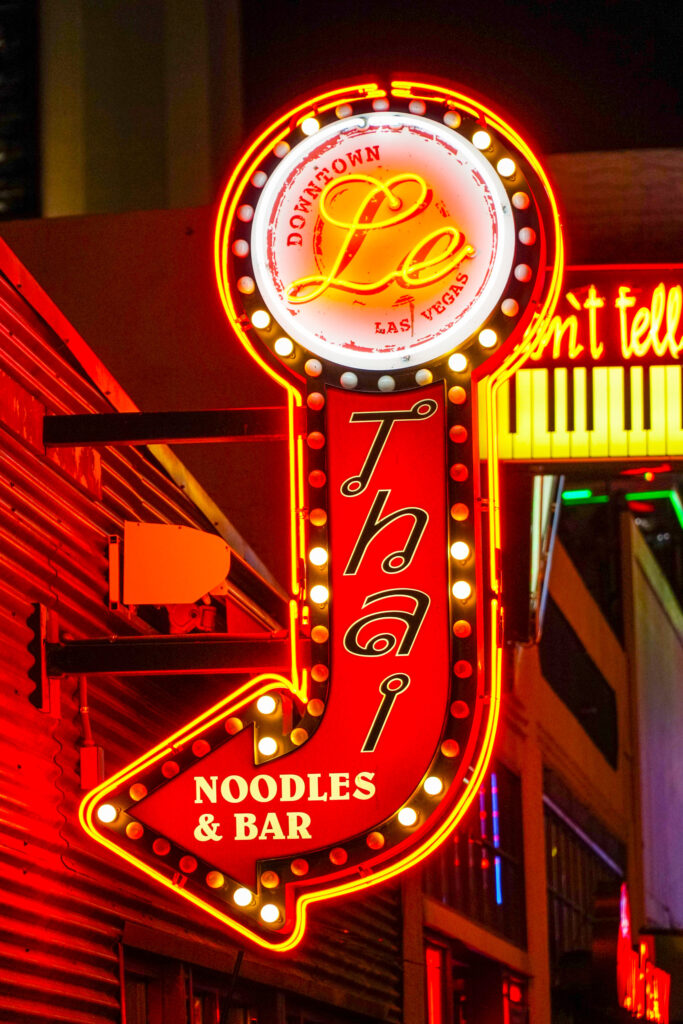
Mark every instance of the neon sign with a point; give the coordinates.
(604, 378)
(361, 760)
(358, 226)
(642, 988)
(636, 322)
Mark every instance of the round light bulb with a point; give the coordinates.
(267, 746)
(317, 556)
(457, 362)
(506, 167)
(242, 897)
(260, 318)
(319, 594)
(310, 125)
(266, 704)
(407, 816)
(460, 550)
(433, 785)
(284, 347)
(487, 338)
(107, 813)
(270, 913)
(481, 139)
(313, 367)
(461, 590)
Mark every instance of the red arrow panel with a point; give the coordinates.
(389, 661)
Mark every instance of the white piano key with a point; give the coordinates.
(560, 438)
(637, 436)
(540, 436)
(616, 432)
(674, 432)
(599, 435)
(580, 448)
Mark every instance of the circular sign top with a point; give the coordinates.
(368, 234)
(382, 241)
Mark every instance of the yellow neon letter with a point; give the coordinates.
(411, 270)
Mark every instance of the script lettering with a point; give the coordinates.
(421, 410)
(384, 643)
(432, 257)
(397, 561)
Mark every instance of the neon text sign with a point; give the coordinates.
(633, 324)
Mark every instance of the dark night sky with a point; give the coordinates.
(579, 76)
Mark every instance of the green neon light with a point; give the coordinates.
(576, 495)
(678, 507)
(647, 495)
(655, 495)
(584, 498)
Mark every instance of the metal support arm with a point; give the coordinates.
(122, 428)
(170, 655)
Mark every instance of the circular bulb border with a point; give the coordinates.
(234, 267)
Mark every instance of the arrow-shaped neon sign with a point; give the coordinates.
(361, 761)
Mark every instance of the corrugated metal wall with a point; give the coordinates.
(63, 908)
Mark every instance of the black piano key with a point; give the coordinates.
(647, 414)
(570, 400)
(512, 406)
(627, 399)
(551, 400)
(589, 400)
